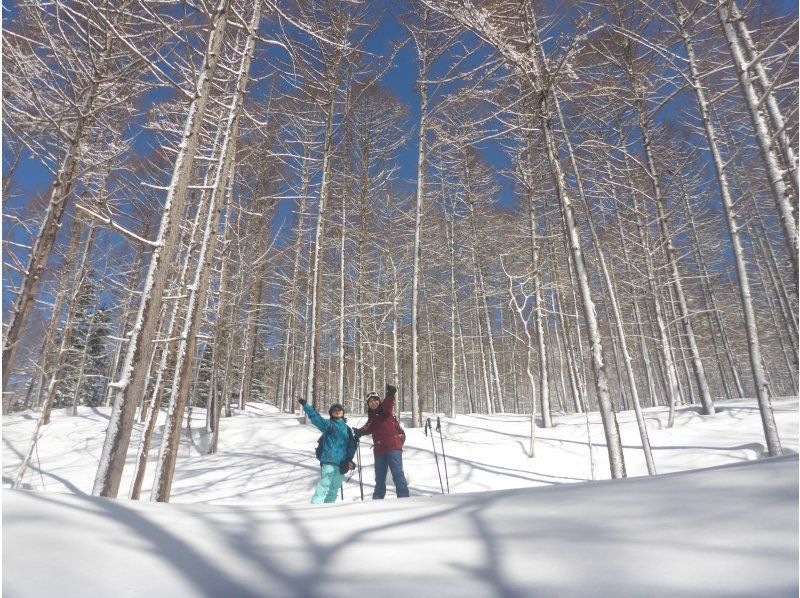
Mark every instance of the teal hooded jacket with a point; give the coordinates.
(338, 444)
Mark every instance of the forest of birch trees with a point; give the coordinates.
(502, 206)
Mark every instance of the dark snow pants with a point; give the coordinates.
(392, 460)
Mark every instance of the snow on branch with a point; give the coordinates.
(107, 220)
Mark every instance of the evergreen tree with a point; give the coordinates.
(87, 359)
(98, 355)
(202, 389)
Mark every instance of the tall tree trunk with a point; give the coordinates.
(450, 230)
(711, 299)
(56, 206)
(487, 391)
(341, 355)
(168, 356)
(565, 344)
(316, 263)
(291, 332)
(787, 306)
(431, 349)
(645, 352)
(124, 322)
(754, 61)
(55, 318)
(781, 194)
(789, 353)
(753, 342)
(610, 426)
(539, 321)
(129, 387)
(416, 410)
(669, 250)
(66, 331)
(187, 348)
(674, 395)
(611, 302)
(469, 387)
(481, 296)
(50, 394)
(222, 330)
(524, 323)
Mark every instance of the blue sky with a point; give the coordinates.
(32, 178)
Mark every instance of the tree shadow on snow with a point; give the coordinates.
(206, 578)
(559, 540)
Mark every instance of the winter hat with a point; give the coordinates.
(334, 407)
(372, 395)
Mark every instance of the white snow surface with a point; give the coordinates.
(239, 522)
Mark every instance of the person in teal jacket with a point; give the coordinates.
(338, 448)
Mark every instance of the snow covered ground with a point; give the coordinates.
(245, 528)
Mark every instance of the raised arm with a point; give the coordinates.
(388, 402)
(314, 416)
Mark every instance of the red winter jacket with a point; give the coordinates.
(383, 426)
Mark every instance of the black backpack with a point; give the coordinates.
(321, 441)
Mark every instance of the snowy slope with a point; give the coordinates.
(268, 458)
(239, 523)
(727, 531)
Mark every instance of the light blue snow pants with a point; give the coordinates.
(328, 486)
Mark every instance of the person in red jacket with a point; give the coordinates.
(388, 441)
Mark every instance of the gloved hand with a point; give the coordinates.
(301, 401)
(346, 466)
(391, 390)
(358, 433)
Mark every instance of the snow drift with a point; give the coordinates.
(730, 530)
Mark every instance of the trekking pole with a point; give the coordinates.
(435, 455)
(444, 457)
(358, 456)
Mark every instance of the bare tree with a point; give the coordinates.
(129, 387)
